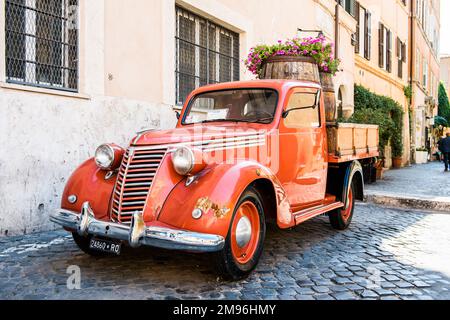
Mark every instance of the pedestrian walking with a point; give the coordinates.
(444, 147)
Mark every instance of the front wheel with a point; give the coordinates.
(244, 243)
(341, 219)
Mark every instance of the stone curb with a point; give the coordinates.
(409, 201)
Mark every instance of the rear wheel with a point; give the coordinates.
(341, 219)
(244, 243)
(83, 244)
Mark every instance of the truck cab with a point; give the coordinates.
(242, 154)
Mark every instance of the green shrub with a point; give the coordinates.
(444, 105)
(383, 111)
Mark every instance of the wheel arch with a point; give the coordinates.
(340, 178)
(268, 196)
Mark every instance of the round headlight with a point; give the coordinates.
(104, 156)
(183, 160)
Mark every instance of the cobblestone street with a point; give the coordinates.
(405, 181)
(386, 254)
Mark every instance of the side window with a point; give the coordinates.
(303, 114)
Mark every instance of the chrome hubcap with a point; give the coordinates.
(243, 232)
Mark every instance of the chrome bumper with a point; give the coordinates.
(137, 233)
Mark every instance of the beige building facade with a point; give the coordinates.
(381, 62)
(78, 73)
(425, 70)
(445, 72)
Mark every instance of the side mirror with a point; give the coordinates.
(178, 115)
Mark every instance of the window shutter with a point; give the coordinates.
(400, 58)
(368, 36)
(389, 51)
(358, 28)
(403, 52)
(381, 46)
(398, 48)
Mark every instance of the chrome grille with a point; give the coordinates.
(134, 180)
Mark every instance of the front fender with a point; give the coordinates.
(217, 189)
(88, 183)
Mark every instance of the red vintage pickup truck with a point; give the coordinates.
(242, 154)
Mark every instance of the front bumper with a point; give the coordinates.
(137, 233)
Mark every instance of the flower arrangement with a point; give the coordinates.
(317, 48)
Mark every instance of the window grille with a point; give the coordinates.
(42, 43)
(206, 53)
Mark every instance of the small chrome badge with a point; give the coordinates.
(72, 199)
(190, 180)
(109, 175)
(197, 213)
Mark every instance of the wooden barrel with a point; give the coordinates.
(291, 68)
(326, 80)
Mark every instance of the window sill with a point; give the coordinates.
(19, 87)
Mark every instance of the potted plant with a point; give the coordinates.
(318, 49)
(421, 155)
(379, 165)
(397, 144)
(307, 59)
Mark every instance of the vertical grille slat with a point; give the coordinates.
(134, 181)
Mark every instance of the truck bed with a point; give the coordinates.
(351, 141)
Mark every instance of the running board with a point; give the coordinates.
(310, 213)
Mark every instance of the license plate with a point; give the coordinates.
(105, 246)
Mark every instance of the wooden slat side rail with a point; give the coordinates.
(347, 141)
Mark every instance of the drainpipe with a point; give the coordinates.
(412, 109)
(336, 31)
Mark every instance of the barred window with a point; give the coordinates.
(206, 53)
(42, 43)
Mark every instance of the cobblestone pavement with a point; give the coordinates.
(386, 254)
(433, 181)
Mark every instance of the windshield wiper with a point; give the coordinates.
(262, 120)
(225, 120)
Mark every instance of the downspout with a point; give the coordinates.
(412, 113)
(336, 31)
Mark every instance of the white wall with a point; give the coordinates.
(44, 138)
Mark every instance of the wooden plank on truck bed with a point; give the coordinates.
(352, 141)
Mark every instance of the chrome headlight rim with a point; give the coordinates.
(111, 156)
(190, 161)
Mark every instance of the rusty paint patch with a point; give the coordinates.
(205, 204)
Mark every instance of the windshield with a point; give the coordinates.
(245, 105)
